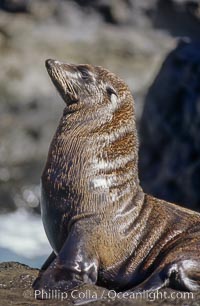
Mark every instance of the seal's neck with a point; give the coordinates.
(105, 144)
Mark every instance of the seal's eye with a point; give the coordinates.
(84, 72)
(111, 91)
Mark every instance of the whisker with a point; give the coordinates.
(72, 88)
(75, 84)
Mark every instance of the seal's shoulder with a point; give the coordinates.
(168, 207)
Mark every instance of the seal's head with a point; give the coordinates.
(87, 84)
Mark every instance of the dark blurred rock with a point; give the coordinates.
(179, 17)
(170, 128)
(14, 6)
(114, 11)
(7, 199)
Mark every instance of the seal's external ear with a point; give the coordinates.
(112, 95)
(111, 91)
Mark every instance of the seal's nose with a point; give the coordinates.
(49, 63)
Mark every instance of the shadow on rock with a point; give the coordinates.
(170, 127)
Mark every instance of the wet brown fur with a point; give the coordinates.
(130, 238)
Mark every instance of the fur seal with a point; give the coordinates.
(103, 229)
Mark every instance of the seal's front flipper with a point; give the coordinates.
(45, 265)
(73, 266)
(49, 260)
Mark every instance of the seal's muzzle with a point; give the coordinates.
(64, 78)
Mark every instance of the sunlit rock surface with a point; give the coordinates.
(15, 289)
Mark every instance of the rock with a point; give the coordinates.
(115, 11)
(16, 289)
(16, 285)
(14, 6)
(180, 17)
(169, 159)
